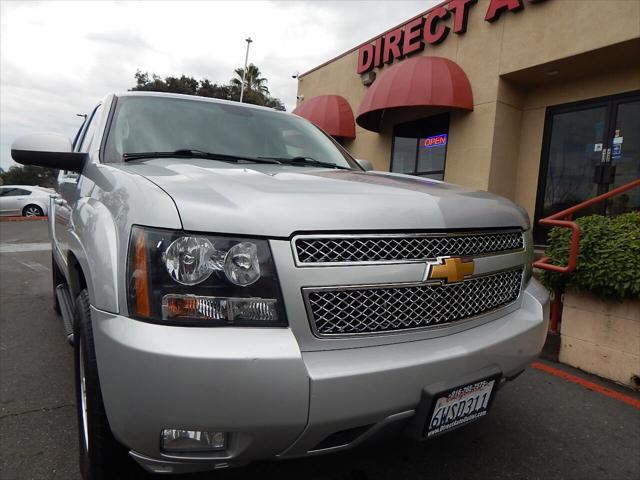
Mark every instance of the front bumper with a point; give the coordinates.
(277, 401)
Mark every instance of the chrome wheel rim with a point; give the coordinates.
(83, 397)
(32, 212)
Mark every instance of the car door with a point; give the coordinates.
(21, 198)
(13, 200)
(55, 200)
(4, 200)
(3, 205)
(68, 190)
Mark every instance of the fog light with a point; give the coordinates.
(174, 440)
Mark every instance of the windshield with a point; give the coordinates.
(156, 124)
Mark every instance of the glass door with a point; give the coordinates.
(589, 148)
(625, 154)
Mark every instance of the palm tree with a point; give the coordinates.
(253, 81)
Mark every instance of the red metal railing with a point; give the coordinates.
(565, 219)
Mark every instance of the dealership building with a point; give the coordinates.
(535, 100)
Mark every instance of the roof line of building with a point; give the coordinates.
(441, 4)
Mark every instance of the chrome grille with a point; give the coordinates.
(353, 310)
(397, 248)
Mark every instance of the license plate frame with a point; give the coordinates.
(428, 432)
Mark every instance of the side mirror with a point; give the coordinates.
(49, 150)
(366, 164)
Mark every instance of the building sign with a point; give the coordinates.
(616, 147)
(434, 141)
(431, 29)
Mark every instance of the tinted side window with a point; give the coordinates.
(14, 192)
(90, 130)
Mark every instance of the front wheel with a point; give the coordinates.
(32, 211)
(101, 456)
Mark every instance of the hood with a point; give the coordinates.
(279, 200)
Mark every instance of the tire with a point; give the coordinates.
(57, 279)
(101, 456)
(32, 211)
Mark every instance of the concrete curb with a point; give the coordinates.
(22, 219)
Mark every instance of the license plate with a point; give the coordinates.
(460, 406)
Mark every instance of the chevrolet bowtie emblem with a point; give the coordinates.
(449, 269)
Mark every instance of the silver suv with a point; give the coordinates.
(238, 287)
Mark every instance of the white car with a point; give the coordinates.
(25, 200)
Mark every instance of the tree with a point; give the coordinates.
(156, 84)
(29, 175)
(256, 91)
(274, 103)
(253, 80)
(183, 84)
(213, 90)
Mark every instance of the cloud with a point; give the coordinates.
(122, 38)
(58, 59)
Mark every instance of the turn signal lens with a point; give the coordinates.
(219, 308)
(140, 276)
(174, 440)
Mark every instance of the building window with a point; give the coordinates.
(420, 147)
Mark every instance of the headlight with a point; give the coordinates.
(191, 279)
(241, 265)
(187, 260)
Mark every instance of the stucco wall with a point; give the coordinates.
(602, 337)
(497, 147)
(562, 28)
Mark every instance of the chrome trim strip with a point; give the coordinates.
(301, 264)
(488, 264)
(307, 291)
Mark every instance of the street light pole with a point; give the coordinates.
(244, 72)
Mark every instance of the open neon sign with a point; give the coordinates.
(435, 141)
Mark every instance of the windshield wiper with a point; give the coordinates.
(305, 161)
(191, 153)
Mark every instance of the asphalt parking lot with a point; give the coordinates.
(541, 426)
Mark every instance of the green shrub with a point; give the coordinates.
(609, 257)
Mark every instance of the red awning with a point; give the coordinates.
(415, 82)
(332, 113)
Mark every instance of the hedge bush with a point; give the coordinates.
(609, 257)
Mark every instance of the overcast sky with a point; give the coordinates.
(60, 58)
